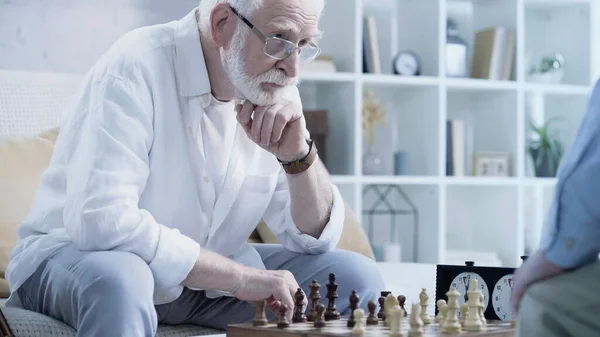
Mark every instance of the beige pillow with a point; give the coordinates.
(353, 237)
(23, 162)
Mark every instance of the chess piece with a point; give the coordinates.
(299, 316)
(319, 318)
(396, 316)
(424, 299)
(481, 314)
(513, 322)
(473, 320)
(381, 313)
(441, 314)
(390, 301)
(354, 299)
(451, 324)
(372, 319)
(416, 323)
(464, 313)
(332, 313)
(401, 301)
(261, 317)
(358, 328)
(315, 297)
(283, 320)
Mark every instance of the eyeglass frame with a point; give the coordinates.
(264, 39)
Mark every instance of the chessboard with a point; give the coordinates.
(339, 328)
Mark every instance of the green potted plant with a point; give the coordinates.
(545, 148)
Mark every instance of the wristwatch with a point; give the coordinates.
(301, 165)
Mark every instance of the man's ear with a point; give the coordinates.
(222, 24)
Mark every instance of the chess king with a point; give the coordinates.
(183, 137)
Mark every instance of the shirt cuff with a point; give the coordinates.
(331, 234)
(175, 257)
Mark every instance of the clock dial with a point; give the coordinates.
(501, 297)
(461, 283)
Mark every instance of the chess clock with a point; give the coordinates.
(495, 284)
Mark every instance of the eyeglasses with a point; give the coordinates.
(279, 48)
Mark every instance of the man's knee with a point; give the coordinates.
(357, 272)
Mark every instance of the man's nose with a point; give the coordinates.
(291, 65)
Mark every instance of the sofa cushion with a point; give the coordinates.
(23, 162)
(24, 323)
(353, 236)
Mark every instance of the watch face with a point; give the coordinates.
(461, 283)
(501, 297)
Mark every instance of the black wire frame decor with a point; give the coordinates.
(382, 206)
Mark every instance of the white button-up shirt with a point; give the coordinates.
(129, 171)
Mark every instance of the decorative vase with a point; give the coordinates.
(547, 166)
(372, 163)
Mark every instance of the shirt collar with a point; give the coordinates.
(192, 74)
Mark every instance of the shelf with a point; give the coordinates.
(555, 3)
(559, 89)
(481, 181)
(472, 84)
(398, 180)
(327, 77)
(400, 81)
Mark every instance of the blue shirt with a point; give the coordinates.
(571, 235)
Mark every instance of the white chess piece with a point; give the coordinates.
(441, 312)
(451, 324)
(390, 301)
(424, 299)
(481, 314)
(396, 315)
(416, 323)
(359, 325)
(473, 321)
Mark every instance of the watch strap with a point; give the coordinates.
(302, 164)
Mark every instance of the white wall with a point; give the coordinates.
(70, 35)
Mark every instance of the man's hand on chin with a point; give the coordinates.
(279, 128)
(535, 269)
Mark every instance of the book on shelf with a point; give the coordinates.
(371, 57)
(493, 54)
(322, 64)
(455, 148)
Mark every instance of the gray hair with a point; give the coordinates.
(244, 7)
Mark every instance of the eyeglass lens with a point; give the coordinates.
(280, 49)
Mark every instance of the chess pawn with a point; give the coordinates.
(354, 299)
(451, 324)
(283, 320)
(441, 314)
(424, 298)
(358, 328)
(473, 320)
(396, 316)
(372, 319)
(332, 313)
(261, 318)
(381, 313)
(464, 313)
(315, 297)
(319, 321)
(402, 302)
(390, 301)
(416, 323)
(299, 316)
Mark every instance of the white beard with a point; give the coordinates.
(247, 87)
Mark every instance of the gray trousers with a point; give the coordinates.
(109, 293)
(563, 306)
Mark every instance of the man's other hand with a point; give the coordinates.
(279, 128)
(535, 269)
(277, 287)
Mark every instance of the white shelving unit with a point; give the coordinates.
(502, 215)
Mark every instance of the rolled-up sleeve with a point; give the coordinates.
(107, 171)
(571, 234)
(278, 218)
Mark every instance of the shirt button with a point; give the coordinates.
(569, 243)
(205, 98)
(165, 298)
(206, 179)
(190, 129)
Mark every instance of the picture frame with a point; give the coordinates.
(491, 164)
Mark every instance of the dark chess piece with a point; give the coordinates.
(319, 319)
(332, 313)
(381, 313)
(402, 302)
(283, 320)
(354, 299)
(315, 297)
(299, 316)
(372, 318)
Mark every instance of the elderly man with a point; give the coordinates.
(183, 137)
(557, 290)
